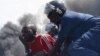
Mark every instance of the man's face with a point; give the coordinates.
(53, 16)
(28, 34)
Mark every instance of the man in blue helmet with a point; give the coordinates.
(52, 30)
(80, 32)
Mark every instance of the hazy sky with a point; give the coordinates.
(11, 10)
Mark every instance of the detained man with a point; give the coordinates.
(36, 44)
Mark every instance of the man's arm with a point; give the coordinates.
(82, 46)
(56, 47)
(29, 53)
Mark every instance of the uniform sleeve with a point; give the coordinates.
(70, 22)
(64, 28)
(84, 46)
(67, 26)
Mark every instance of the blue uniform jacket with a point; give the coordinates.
(83, 30)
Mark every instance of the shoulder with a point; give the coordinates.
(71, 16)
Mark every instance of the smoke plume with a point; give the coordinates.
(27, 19)
(10, 44)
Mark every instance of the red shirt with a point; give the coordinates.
(42, 44)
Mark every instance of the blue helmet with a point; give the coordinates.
(55, 6)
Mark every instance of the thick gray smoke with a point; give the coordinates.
(37, 20)
(85, 6)
(27, 19)
(10, 45)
